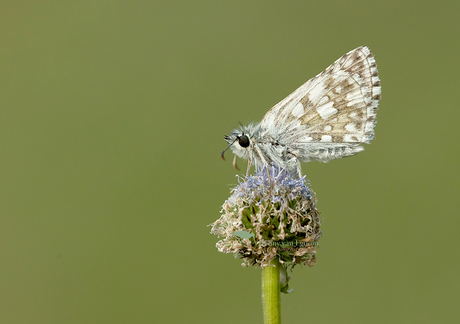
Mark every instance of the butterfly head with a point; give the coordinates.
(240, 140)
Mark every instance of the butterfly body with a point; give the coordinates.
(328, 117)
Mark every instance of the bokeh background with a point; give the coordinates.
(112, 116)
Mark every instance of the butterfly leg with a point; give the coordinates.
(234, 163)
(259, 152)
(295, 160)
(249, 166)
(299, 168)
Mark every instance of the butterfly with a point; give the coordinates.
(328, 117)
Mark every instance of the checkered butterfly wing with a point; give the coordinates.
(330, 115)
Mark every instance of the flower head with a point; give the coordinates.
(269, 215)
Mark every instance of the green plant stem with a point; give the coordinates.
(271, 295)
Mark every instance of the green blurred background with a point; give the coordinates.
(112, 116)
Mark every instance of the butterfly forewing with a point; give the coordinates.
(331, 114)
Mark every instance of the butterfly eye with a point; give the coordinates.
(243, 140)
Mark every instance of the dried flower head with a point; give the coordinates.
(269, 215)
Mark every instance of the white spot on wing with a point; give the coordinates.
(354, 114)
(328, 128)
(326, 111)
(347, 64)
(326, 138)
(350, 127)
(298, 110)
(355, 101)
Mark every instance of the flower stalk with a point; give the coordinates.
(271, 293)
(270, 221)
